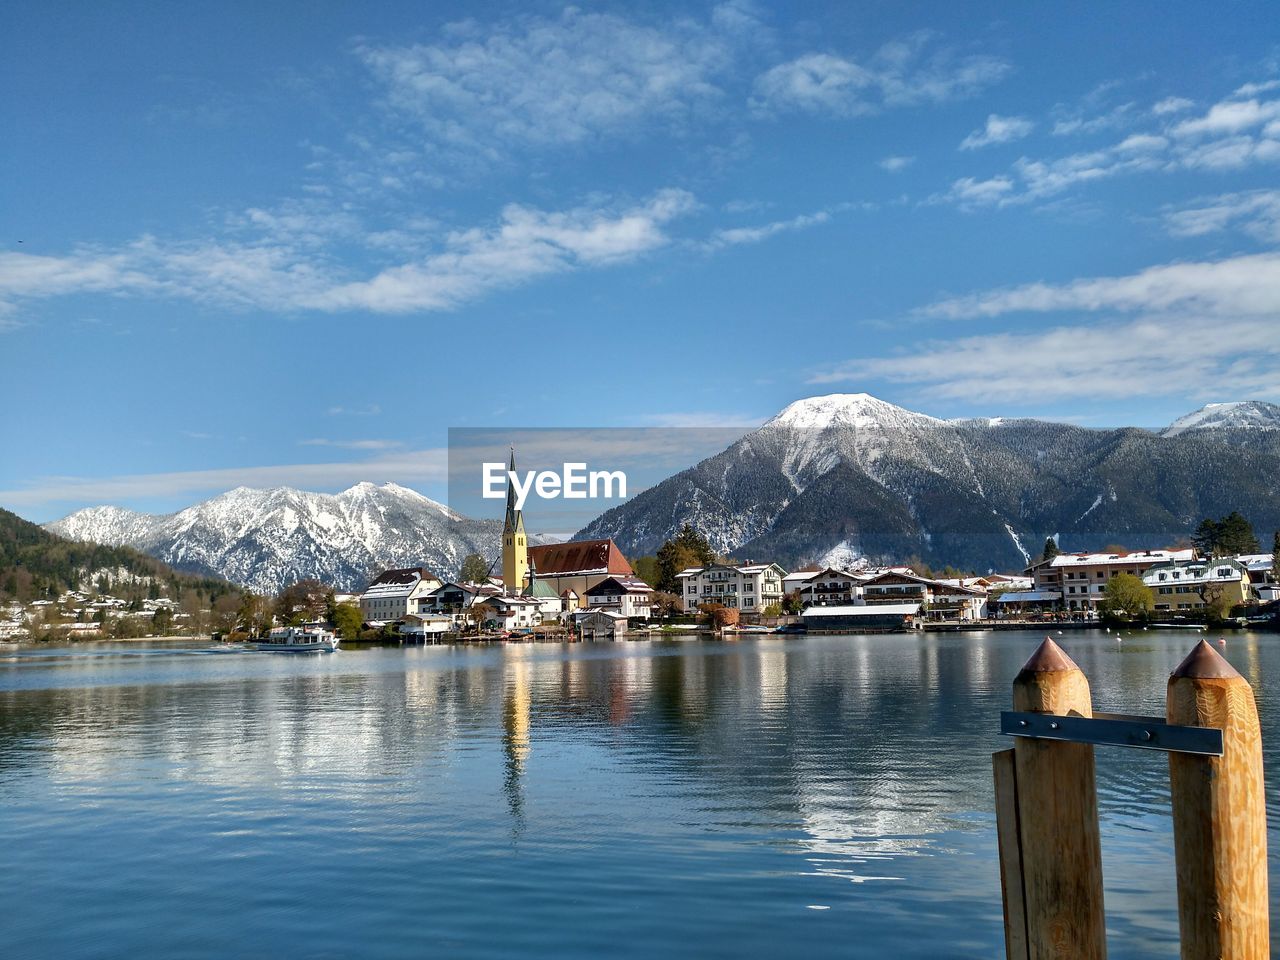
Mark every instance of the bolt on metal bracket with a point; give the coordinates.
(1115, 730)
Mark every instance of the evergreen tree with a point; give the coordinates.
(1232, 534)
(1236, 535)
(1050, 549)
(474, 569)
(688, 548)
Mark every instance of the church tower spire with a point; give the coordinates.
(515, 550)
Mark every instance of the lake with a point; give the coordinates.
(823, 796)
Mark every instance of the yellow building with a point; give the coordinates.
(515, 549)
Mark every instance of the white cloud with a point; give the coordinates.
(1232, 134)
(1245, 286)
(1138, 358)
(525, 244)
(899, 74)
(570, 79)
(352, 444)
(998, 129)
(369, 410)
(693, 420)
(1229, 117)
(969, 192)
(1172, 105)
(1197, 323)
(896, 164)
(416, 466)
(739, 235)
(1255, 212)
(1081, 125)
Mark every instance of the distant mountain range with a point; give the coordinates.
(828, 479)
(267, 539)
(836, 477)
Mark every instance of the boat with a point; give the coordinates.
(297, 640)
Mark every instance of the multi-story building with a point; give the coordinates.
(1181, 586)
(938, 599)
(831, 587)
(1262, 576)
(1081, 578)
(629, 596)
(395, 593)
(453, 598)
(749, 588)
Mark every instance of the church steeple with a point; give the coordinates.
(515, 550)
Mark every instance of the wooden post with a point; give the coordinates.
(1219, 815)
(1010, 844)
(1058, 817)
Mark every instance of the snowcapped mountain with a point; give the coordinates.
(849, 474)
(266, 539)
(1238, 415)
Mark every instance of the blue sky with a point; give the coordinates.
(295, 243)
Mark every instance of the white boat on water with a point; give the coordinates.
(297, 640)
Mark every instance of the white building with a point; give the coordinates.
(510, 613)
(394, 594)
(1262, 575)
(1081, 578)
(629, 596)
(749, 588)
(1197, 584)
(832, 588)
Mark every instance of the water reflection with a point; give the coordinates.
(588, 783)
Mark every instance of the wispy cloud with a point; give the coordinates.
(694, 419)
(1255, 212)
(734, 236)
(571, 79)
(896, 164)
(352, 444)
(416, 466)
(1196, 323)
(1235, 133)
(1136, 358)
(1239, 286)
(526, 243)
(899, 74)
(368, 410)
(1165, 329)
(998, 129)
(1172, 105)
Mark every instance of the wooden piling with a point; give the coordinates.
(1058, 817)
(1219, 815)
(1012, 890)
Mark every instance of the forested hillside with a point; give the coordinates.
(36, 564)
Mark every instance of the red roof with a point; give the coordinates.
(579, 556)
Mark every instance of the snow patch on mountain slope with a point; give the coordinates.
(1236, 415)
(266, 539)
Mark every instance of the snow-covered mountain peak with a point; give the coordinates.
(859, 410)
(1235, 415)
(267, 538)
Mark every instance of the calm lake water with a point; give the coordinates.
(821, 797)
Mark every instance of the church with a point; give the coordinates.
(562, 570)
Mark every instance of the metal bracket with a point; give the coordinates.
(1114, 729)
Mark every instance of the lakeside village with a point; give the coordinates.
(588, 590)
